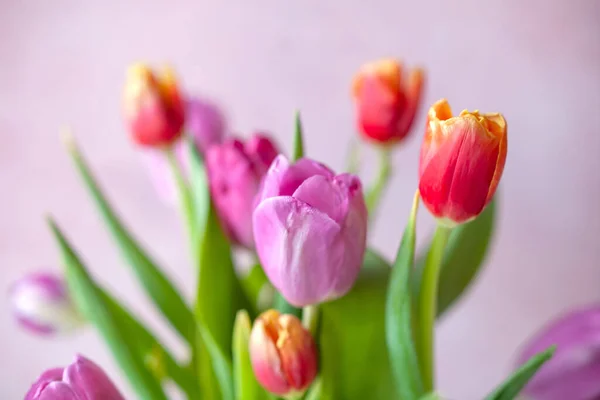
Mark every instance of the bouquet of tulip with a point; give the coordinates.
(318, 314)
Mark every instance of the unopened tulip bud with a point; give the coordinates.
(386, 103)
(81, 380)
(283, 353)
(153, 106)
(574, 371)
(41, 304)
(461, 163)
(310, 230)
(235, 170)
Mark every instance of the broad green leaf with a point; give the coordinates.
(398, 318)
(150, 348)
(160, 290)
(314, 392)
(221, 365)
(90, 301)
(257, 288)
(298, 138)
(375, 260)
(510, 388)
(246, 385)
(354, 357)
(465, 254)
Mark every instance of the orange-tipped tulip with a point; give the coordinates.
(385, 103)
(462, 159)
(154, 108)
(283, 353)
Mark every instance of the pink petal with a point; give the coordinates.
(272, 180)
(51, 375)
(299, 172)
(61, 391)
(89, 381)
(324, 195)
(300, 248)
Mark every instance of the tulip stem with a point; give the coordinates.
(385, 171)
(184, 193)
(310, 318)
(427, 306)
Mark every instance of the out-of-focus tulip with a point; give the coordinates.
(283, 353)
(462, 159)
(206, 124)
(81, 380)
(386, 104)
(310, 230)
(235, 171)
(574, 371)
(41, 304)
(153, 107)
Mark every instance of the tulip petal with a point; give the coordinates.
(300, 248)
(324, 195)
(89, 381)
(62, 391)
(54, 374)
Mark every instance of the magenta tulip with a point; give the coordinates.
(81, 380)
(235, 171)
(573, 373)
(310, 230)
(41, 304)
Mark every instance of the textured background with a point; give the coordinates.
(537, 62)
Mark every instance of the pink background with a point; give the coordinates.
(538, 62)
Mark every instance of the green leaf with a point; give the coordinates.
(221, 364)
(281, 305)
(354, 357)
(510, 388)
(298, 138)
(314, 392)
(246, 385)
(465, 254)
(90, 301)
(399, 336)
(257, 288)
(160, 290)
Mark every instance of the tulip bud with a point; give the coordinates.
(574, 371)
(235, 170)
(41, 304)
(82, 379)
(153, 107)
(461, 163)
(283, 353)
(385, 104)
(310, 230)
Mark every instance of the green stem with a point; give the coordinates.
(385, 171)
(427, 303)
(184, 193)
(310, 318)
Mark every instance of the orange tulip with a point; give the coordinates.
(154, 108)
(385, 104)
(461, 163)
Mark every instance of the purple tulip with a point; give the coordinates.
(81, 380)
(310, 229)
(235, 170)
(205, 123)
(574, 371)
(41, 303)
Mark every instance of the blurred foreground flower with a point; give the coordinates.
(462, 159)
(283, 353)
(81, 380)
(206, 125)
(310, 229)
(235, 171)
(385, 104)
(574, 371)
(41, 303)
(153, 107)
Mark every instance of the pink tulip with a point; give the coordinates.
(573, 372)
(235, 171)
(41, 304)
(310, 229)
(81, 380)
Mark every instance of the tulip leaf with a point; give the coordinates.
(257, 288)
(401, 346)
(221, 365)
(510, 388)
(464, 256)
(219, 293)
(246, 385)
(354, 358)
(161, 291)
(91, 302)
(298, 138)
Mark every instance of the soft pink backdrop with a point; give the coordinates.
(538, 62)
